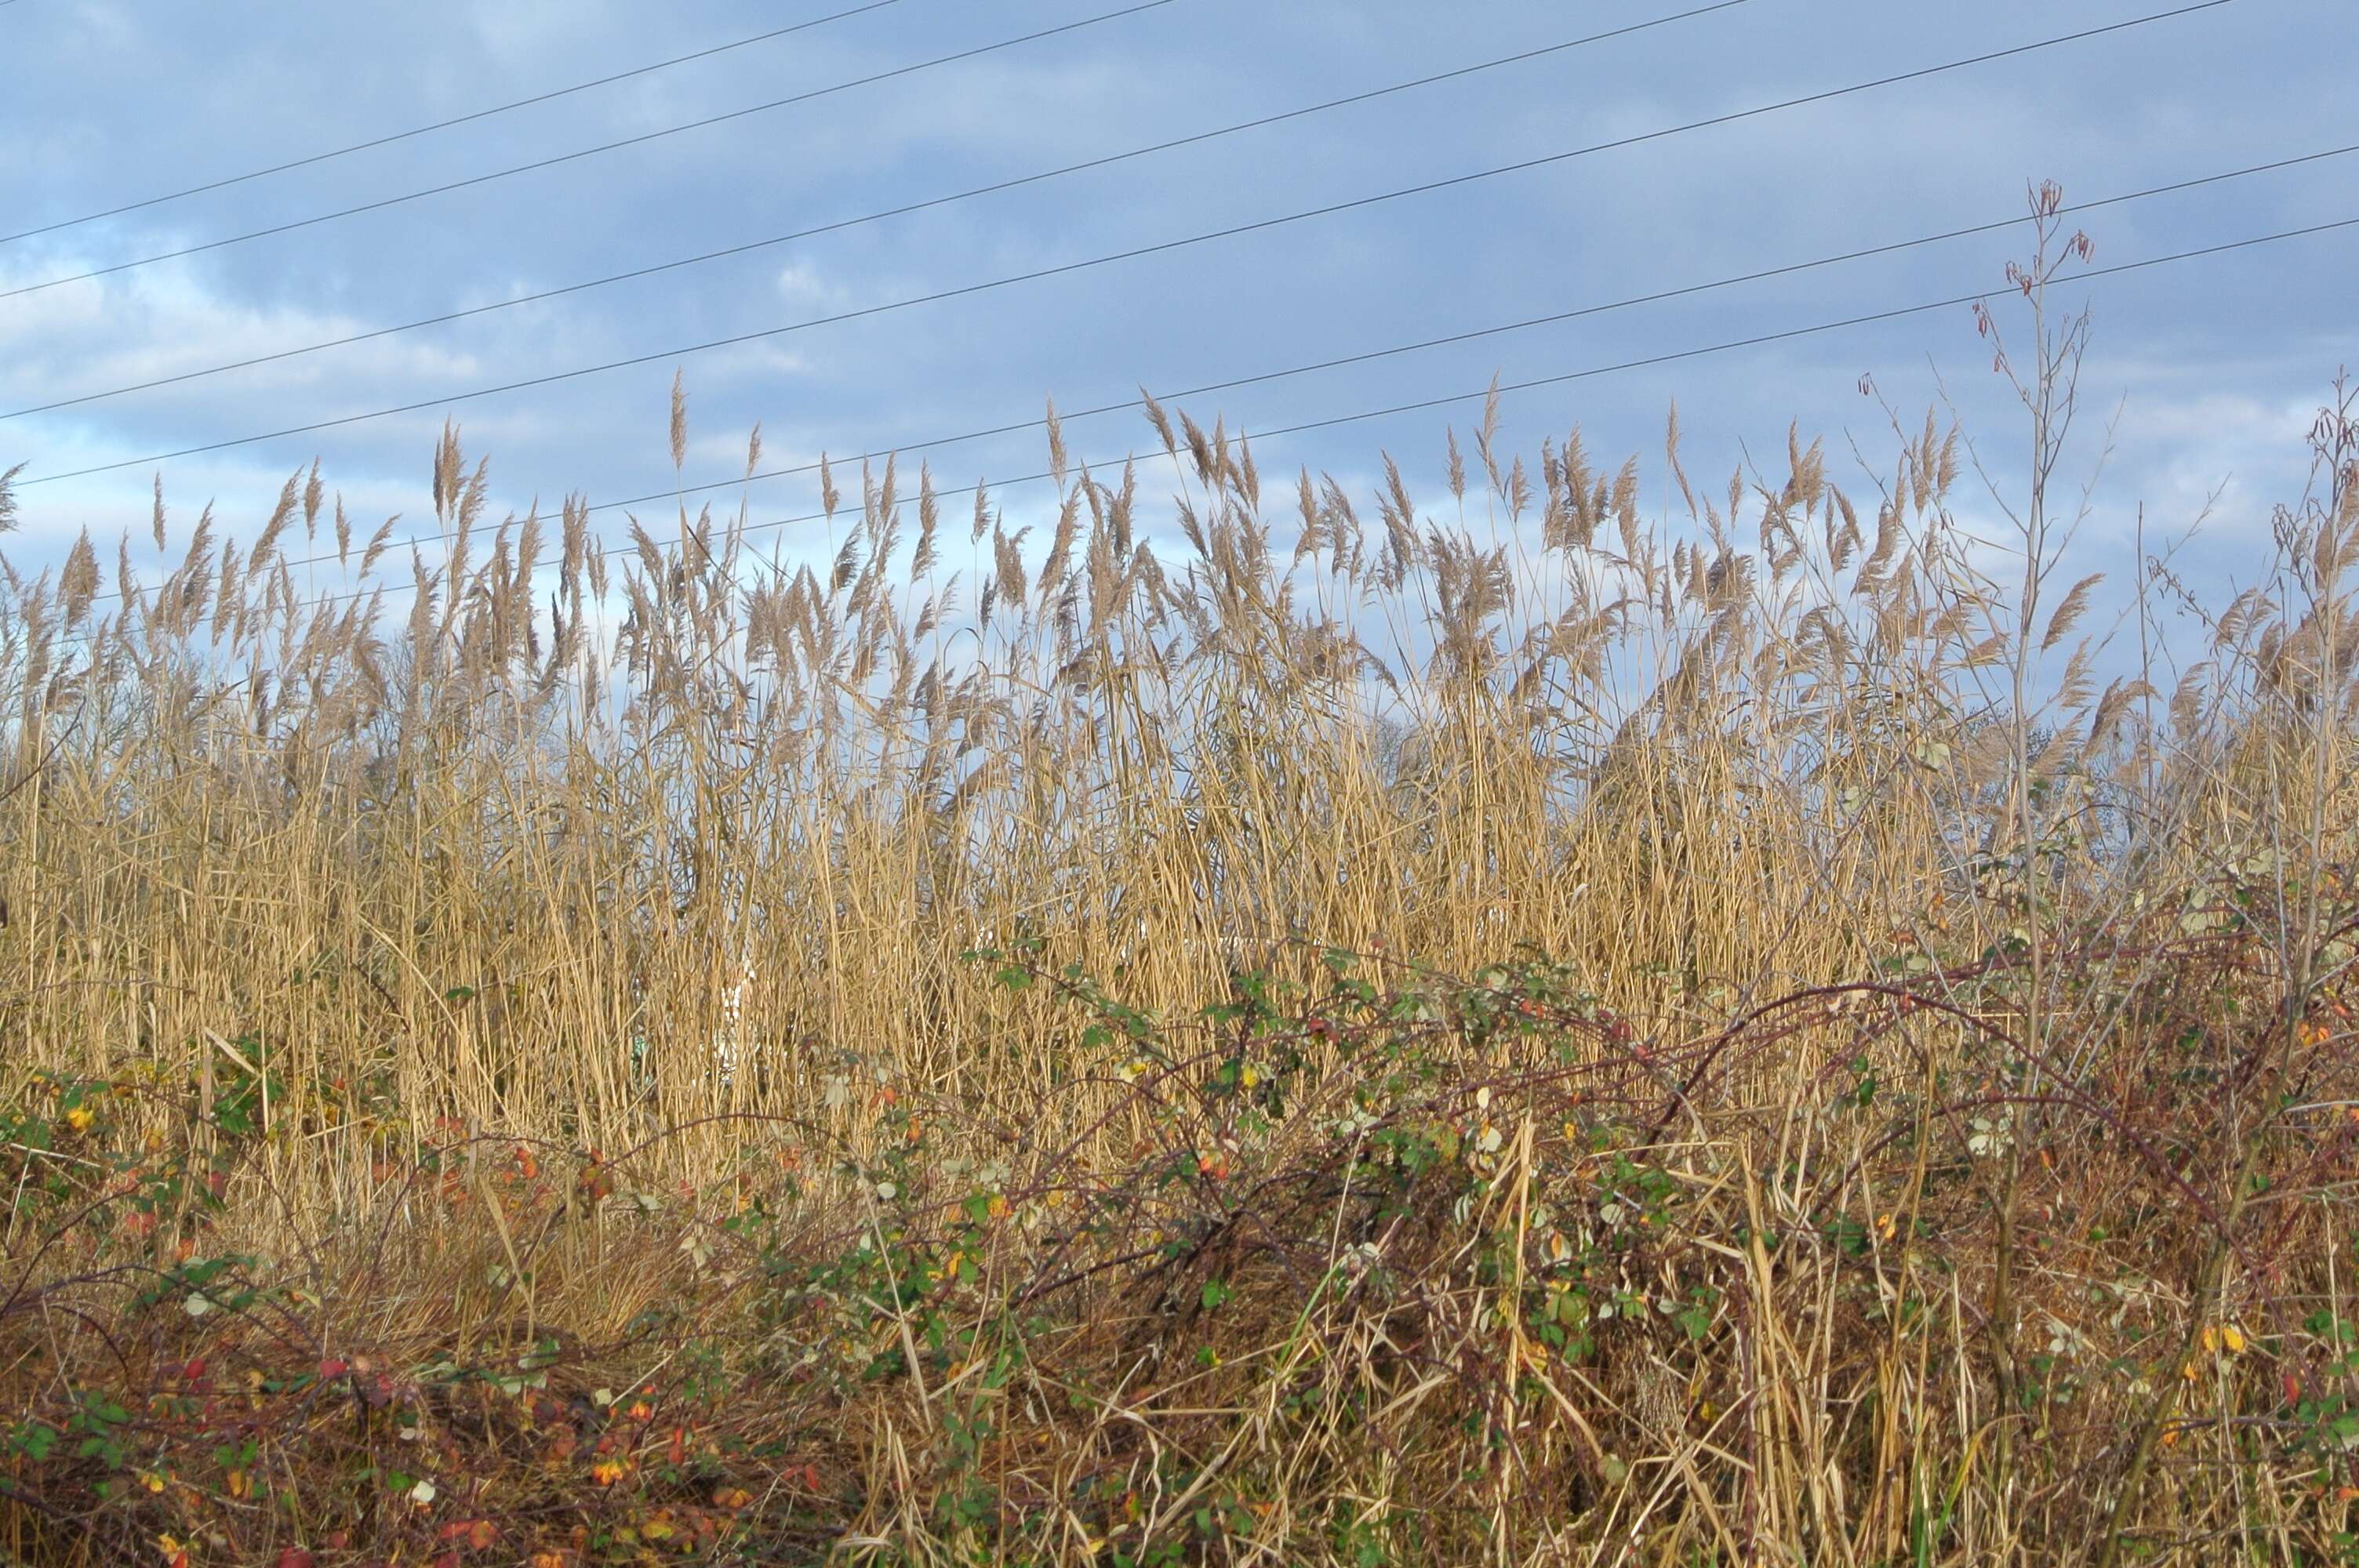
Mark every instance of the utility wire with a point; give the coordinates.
(580, 153)
(1984, 297)
(1472, 335)
(1261, 378)
(1162, 247)
(751, 245)
(386, 141)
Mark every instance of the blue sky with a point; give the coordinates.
(2216, 366)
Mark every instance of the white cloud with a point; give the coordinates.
(801, 283)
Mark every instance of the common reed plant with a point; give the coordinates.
(1247, 1023)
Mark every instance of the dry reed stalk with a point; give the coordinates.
(1913, 970)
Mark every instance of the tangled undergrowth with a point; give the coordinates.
(1397, 1269)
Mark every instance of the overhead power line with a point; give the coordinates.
(580, 153)
(1175, 394)
(904, 209)
(1163, 247)
(1500, 390)
(1476, 334)
(1820, 329)
(310, 160)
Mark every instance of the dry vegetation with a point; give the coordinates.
(1523, 1035)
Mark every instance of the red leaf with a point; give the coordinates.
(294, 1557)
(333, 1367)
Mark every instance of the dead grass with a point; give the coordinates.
(1536, 1029)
